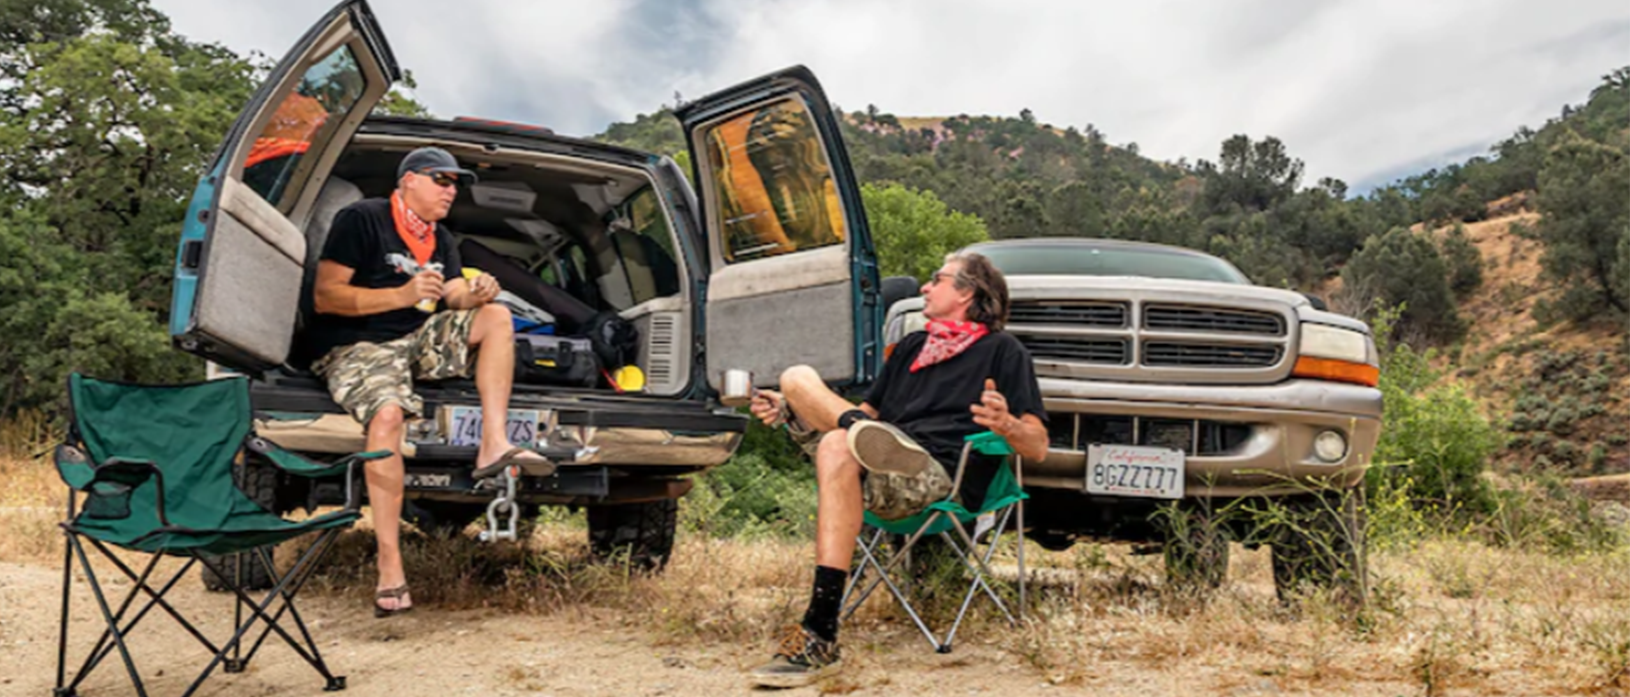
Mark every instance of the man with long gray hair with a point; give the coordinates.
(895, 453)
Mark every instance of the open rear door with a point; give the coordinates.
(243, 245)
(793, 273)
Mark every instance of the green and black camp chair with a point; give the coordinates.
(154, 465)
(882, 553)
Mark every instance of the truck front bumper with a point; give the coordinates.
(1238, 440)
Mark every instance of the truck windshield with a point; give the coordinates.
(1093, 260)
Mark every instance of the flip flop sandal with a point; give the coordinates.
(511, 457)
(396, 594)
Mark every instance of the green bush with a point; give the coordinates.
(1433, 433)
(1464, 261)
(767, 488)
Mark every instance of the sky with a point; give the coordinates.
(1363, 91)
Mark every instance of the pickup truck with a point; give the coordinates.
(726, 275)
(1168, 376)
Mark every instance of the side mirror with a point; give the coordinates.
(897, 288)
(1318, 302)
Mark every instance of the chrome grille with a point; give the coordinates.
(1110, 315)
(1202, 437)
(1184, 354)
(1099, 351)
(1211, 319)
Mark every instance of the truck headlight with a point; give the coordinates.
(1334, 353)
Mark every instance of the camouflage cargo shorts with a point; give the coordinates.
(887, 495)
(365, 376)
(894, 496)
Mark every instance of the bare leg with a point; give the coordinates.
(839, 512)
(385, 499)
(492, 335)
(814, 403)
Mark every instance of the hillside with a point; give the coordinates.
(1560, 390)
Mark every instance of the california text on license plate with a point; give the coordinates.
(1135, 470)
(465, 426)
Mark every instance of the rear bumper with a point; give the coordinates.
(1272, 453)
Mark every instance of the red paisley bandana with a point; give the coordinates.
(946, 339)
(416, 232)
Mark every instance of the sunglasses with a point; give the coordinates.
(441, 179)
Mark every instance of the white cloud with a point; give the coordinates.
(1356, 89)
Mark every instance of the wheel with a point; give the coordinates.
(642, 534)
(1320, 544)
(1195, 547)
(441, 518)
(1052, 540)
(259, 481)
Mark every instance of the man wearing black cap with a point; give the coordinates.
(392, 305)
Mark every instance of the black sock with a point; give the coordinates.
(825, 602)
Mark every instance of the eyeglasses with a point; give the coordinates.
(939, 276)
(441, 179)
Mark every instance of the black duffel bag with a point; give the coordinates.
(542, 359)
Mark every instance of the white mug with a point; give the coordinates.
(736, 388)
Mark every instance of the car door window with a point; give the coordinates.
(641, 238)
(303, 122)
(776, 194)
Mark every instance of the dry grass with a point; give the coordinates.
(1448, 616)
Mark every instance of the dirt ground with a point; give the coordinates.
(487, 652)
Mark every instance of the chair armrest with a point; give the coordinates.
(73, 466)
(302, 466)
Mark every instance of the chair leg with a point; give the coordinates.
(62, 632)
(107, 614)
(102, 647)
(284, 589)
(1019, 542)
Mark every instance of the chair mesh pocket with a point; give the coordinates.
(108, 501)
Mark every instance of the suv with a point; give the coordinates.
(1168, 376)
(769, 264)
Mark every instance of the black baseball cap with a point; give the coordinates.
(434, 159)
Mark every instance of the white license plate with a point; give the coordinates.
(464, 426)
(1135, 470)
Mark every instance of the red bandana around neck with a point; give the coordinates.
(946, 339)
(419, 235)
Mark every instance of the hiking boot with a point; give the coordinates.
(801, 659)
(882, 448)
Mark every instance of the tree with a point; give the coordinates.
(107, 119)
(1404, 268)
(1464, 261)
(914, 230)
(1585, 219)
(1250, 176)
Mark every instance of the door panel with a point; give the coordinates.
(792, 277)
(242, 252)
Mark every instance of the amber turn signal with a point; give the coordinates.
(1339, 371)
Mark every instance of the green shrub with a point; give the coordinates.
(1434, 431)
(767, 488)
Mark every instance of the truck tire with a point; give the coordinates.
(1324, 549)
(1196, 549)
(259, 481)
(442, 518)
(639, 534)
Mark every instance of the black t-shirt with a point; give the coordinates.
(932, 404)
(364, 238)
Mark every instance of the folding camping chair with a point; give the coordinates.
(154, 465)
(1003, 500)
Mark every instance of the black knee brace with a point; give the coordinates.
(848, 418)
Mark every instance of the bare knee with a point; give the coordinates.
(495, 321)
(798, 381)
(388, 420)
(833, 461)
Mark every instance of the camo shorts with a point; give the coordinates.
(887, 495)
(894, 496)
(365, 376)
